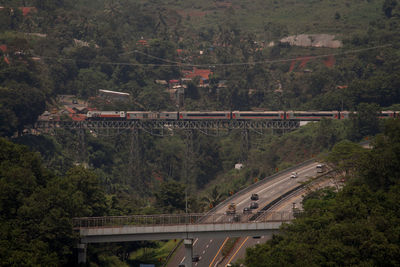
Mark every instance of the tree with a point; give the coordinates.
(21, 106)
(343, 157)
(89, 81)
(388, 7)
(171, 197)
(213, 197)
(380, 167)
(365, 122)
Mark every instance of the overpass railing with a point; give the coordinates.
(179, 219)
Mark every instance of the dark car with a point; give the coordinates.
(247, 210)
(253, 205)
(195, 258)
(254, 197)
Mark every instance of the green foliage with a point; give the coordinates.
(355, 226)
(171, 197)
(344, 157)
(365, 122)
(37, 208)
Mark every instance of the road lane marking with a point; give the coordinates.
(283, 180)
(241, 245)
(299, 170)
(219, 250)
(194, 243)
(183, 259)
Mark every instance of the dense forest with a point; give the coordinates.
(67, 47)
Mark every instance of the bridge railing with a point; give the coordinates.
(178, 219)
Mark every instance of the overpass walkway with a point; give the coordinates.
(175, 226)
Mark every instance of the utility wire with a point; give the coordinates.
(178, 64)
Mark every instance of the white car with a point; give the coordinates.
(293, 175)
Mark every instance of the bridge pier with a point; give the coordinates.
(188, 252)
(81, 253)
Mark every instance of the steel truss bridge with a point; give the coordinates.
(165, 124)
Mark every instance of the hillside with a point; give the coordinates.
(173, 55)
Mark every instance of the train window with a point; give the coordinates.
(258, 115)
(314, 114)
(206, 115)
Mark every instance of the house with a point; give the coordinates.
(161, 82)
(3, 48)
(26, 10)
(222, 84)
(78, 117)
(142, 42)
(204, 75)
(176, 94)
(174, 82)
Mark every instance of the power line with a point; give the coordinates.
(179, 64)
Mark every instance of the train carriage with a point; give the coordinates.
(205, 115)
(150, 115)
(258, 115)
(345, 114)
(311, 115)
(387, 114)
(105, 115)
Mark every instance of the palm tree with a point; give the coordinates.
(213, 198)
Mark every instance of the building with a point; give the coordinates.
(203, 74)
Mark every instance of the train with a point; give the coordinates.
(227, 115)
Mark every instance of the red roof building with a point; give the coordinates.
(27, 9)
(142, 42)
(3, 48)
(202, 73)
(70, 110)
(78, 117)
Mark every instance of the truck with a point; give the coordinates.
(231, 209)
(320, 168)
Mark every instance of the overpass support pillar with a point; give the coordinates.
(188, 252)
(81, 253)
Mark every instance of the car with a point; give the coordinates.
(195, 258)
(247, 210)
(253, 205)
(254, 197)
(181, 265)
(293, 175)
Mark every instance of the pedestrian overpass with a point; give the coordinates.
(175, 226)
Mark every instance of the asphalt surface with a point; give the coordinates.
(209, 250)
(239, 251)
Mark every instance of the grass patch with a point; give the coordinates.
(156, 255)
(305, 16)
(229, 246)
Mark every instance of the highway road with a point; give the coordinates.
(239, 251)
(210, 250)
